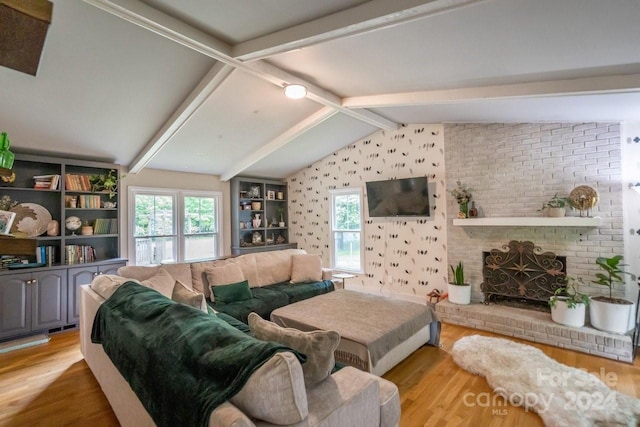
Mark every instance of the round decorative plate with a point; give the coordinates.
(31, 219)
(583, 197)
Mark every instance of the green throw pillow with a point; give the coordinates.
(225, 294)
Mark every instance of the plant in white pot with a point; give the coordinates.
(459, 291)
(556, 206)
(607, 313)
(568, 305)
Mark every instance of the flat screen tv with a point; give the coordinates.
(398, 197)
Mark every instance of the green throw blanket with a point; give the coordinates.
(181, 363)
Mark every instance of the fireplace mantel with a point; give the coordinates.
(530, 221)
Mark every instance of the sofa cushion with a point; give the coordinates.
(233, 292)
(199, 275)
(264, 301)
(182, 294)
(302, 291)
(162, 282)
(306, 268)
(247, 264)
(180, 271)
(275, 392)
(318, 346)
(275, 266)
(106, 284)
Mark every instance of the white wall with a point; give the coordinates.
(631, 175)
(514, 168)
(179, 180)
(411, 250)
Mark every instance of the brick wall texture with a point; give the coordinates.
(514, 169)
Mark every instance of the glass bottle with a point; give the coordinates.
(473, 212)
(6, 156)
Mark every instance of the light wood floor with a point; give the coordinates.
(51, 385)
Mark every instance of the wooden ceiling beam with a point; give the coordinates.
(370, 16)
(214, 78)
(280, 141)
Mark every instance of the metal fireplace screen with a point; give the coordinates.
(521, 272)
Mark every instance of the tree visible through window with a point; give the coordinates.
(346, 221)
(158, 238)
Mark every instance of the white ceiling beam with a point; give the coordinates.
(295, 131)
(153, 20)
(181, 116)
(372, 15)
(568, 87)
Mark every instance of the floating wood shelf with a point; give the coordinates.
(568, 221)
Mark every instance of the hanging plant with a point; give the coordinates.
(105, 183)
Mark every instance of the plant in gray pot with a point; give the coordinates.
(459, 291)
(568, 305)
(607, 313)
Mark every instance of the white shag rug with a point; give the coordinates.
(563, 396)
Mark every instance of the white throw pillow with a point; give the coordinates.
(162, 282)
(106, 284)
(224, 275)
(184, 295)
(306, 268)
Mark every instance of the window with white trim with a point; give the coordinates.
(346, 230)
(174, 225)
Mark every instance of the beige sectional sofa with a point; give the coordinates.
(277, 392)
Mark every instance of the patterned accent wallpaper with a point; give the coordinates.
(404, 257)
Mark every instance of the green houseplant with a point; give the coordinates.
(556, 206)
(105, 182)
(281, 213)
(568, 304)
(459, 291)
(608, 313)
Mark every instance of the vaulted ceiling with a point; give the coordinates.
(196, 85)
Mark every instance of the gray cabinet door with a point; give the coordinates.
(15, 304)
(49, 299)
(78, 276)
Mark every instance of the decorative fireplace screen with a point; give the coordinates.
(521, 272)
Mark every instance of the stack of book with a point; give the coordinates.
(46, 254)
(7, 260)
(89, 201)
(77, 182)
(46, 182)
(79, 254)
(105, 226)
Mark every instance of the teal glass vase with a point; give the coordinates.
(6, 156)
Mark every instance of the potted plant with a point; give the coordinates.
(607, 313)
(568, 305)
(463, 195)
(459, 291)
(281, 213)
(556, 206)
(105, 182)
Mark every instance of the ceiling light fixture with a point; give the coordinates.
(295, 91)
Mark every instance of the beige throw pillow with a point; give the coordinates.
(162, 282)
(106, 284)
(306, 268)
(318, 346)
(182, 294)
(224, 275)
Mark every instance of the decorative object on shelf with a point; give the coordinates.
(280, 195)
(463, 195)
(6, 221)
(53, 228)
(280, 240)
(556, 206)
(256, 206)
(73, 224)
(281, 213)
(568, 305)
(105, 182)
(109, 205)
(271, 195)
(256, 221)
(87, 229)
(6, 203)
(8, 179)
(254, 192)
(584, 198)
(459, 291)
(256, 237)
(473, 211)
(243, 194)
(243, 225)
(6, 156)
(73, 202)
(607, 313)
(31, 219)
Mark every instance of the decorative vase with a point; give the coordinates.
(561, 313)
(464, 208)
(256, 206)
(281, 224)
(256, 221)
(459, 294)
(86, 230)
(556, 212)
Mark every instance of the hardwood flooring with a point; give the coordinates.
(51, 385)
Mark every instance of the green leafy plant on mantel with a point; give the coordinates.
(458, 274)
(613, 273)
(105, 182)
(569, 293)
(555, 202)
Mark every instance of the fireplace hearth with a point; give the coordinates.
(521, 274)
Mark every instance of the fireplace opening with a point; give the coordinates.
(521, 274)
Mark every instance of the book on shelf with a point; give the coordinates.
(46, 182)
(46, 255)
(74, 182)
(105, 226)
(79, 254)
(89, 201)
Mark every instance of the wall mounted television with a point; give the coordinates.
(398, 197)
